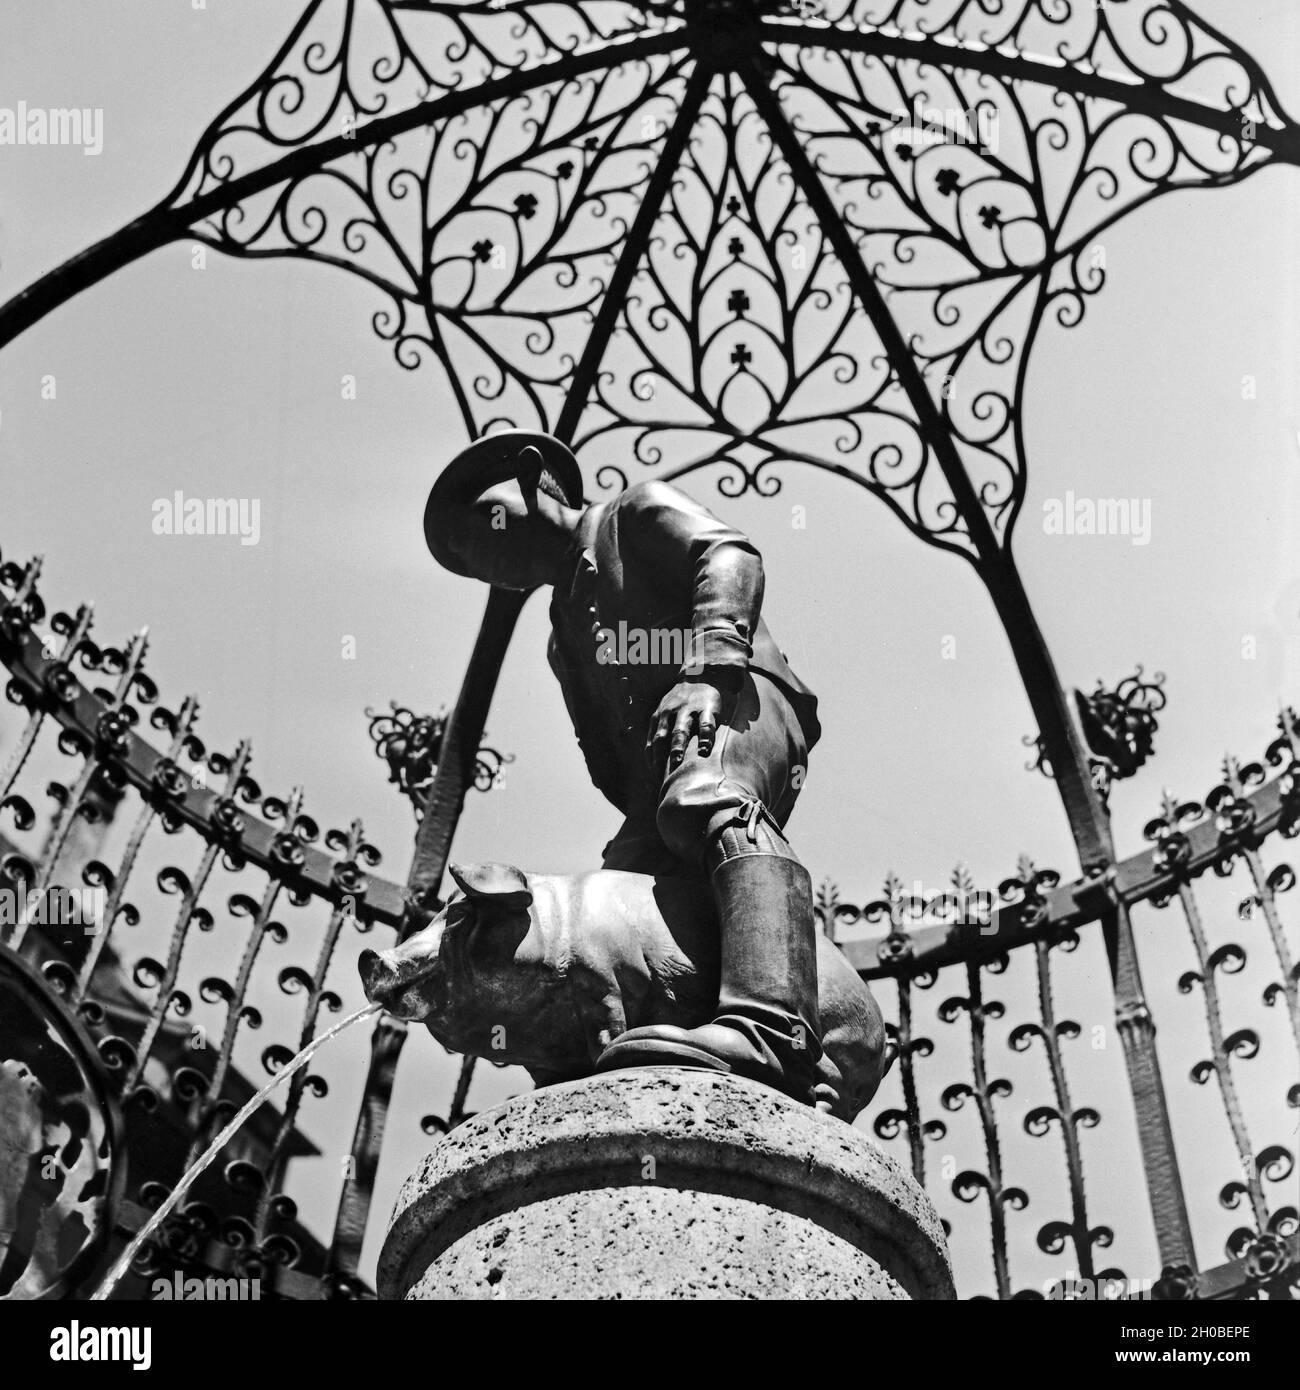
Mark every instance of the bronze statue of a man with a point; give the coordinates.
(689, 718)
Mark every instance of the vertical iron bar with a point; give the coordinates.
(460, 744)
(363, 1164)
(235, 1006)
(1137, 1033)
(459, 1097)
(988, 1123)
(1268, 902)
(180, 931)
(1221, 1060)
(275, 1162)
(27, 741)
(911, 1102)
(1081, 1233)
(67, 813)
(184, 724)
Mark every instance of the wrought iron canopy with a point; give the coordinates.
(734, 232)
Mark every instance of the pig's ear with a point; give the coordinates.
(501, 884)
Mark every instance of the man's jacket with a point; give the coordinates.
(656, 590)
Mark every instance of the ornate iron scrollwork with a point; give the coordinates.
(480, 165)
(411, 744)
(1118, 726)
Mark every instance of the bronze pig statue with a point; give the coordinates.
(543, 970)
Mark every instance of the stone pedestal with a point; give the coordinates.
(661, 1182)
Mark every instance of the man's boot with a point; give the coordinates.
(767, 1027)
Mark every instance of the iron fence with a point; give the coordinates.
(184, 848)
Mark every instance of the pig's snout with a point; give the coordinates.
(376, 974)
(392, 984)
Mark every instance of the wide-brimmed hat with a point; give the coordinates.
(497, 458)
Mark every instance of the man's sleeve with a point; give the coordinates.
(664, 528)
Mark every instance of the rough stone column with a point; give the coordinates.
(661, 1182)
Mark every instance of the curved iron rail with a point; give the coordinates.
(49, 686)
(46, 685)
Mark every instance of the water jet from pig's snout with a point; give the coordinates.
(123, 1263)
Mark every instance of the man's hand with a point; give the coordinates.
(692, 708)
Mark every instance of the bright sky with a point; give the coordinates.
(225, 381)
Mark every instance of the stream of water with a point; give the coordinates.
(123, 1264)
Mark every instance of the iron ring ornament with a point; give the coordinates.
(63, 1150)
(411, 745)
(1118, 727)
